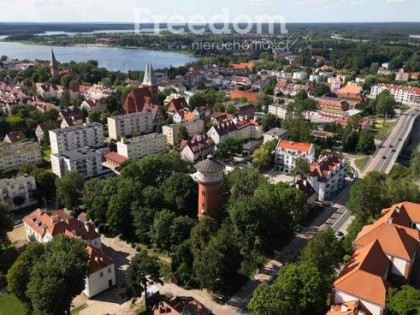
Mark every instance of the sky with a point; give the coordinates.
(204, 10)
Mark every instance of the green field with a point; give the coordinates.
(361, 163)
(10, 305)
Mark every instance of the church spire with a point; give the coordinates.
(54, 67)
(149, 76)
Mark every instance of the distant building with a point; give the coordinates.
(130, 125)
(288, 151)
(196, 149)
(401, 93)
(54, 71)
(245, 110)
(15, 137)
(353, 94)
(114, 160)
(77, 137)
(327, 176)
(402, 76)
(193, 127)
(275, 134)
(22, 187)
(248, 129)
(278, 110)
(332, 103)
(202, 112)
(223, 130)
(86, 161)
(92, 105)
(138, 147)
(13, 155)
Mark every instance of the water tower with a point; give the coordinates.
(209, 177)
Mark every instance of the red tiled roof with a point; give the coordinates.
(16, 136)
(115, 157)
(363, 276)
(97, 259)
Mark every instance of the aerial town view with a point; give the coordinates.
(210, 157)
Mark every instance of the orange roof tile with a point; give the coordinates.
(396, 240)
(363, 276)
(298, 146)
(97, 259)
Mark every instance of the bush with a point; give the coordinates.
(346, 258)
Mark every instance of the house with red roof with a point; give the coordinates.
(15, 137)
(385, 253)
(41, 226)
(197, 149)
(327, 176)
(288, 151)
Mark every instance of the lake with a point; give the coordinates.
(114, 59)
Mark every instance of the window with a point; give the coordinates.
(101, 274)
(109, 270)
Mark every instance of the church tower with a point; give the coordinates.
(209, 176)
(54, 68)
(150, 82)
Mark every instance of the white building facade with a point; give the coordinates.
(137, 147)
(86, 161)
(13, 155)
(130, 125)
(22, 186)
(76, 137)
(193, 127)
(288, 151)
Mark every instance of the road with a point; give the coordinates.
(387, 155)
(337, 215)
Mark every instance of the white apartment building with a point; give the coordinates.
(193, 127)
(130, 125)
(288, 151)
(401, 93)
(327, 176)
(22, 186)
(13, 155)
(278, 110)
(137, 147)
(86, 161)
(76, 137)
(300, 76)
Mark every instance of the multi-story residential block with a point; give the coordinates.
(300, 76)
(137, 147)
(193, 127)
(332, 103)
(248, 129)
(197, 149)
(288, 151)
(327, 176)
(402, 76)
(76, 137)
(130, 124)
(41, 226)
(13, 155)
(86, 161)
(278, 110)
(21, 187)
(401, 93)
(385, 254)
(353, 94)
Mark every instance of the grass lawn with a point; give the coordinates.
(361, 163)
(10, 305)
(78, 309)
(14, 119)
(380, 130)
(152, 252)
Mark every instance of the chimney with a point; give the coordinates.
(96, 258)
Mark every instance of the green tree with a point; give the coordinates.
(270, 121)
(230, 109)
(142, 272)
(59, 276)
(321, 89)
(160, 233)
(228, 147)
(263, 156)
(323, 252)
(6, 224)
(65, 99)
(366, 143)
(180, 230)
(368, 196)
(69, 189)
(182, 134)
(20, 273)
(301, 167)
(415, 165)
(385, 104)
(180, 194)
(404, 301)
(300, 289)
